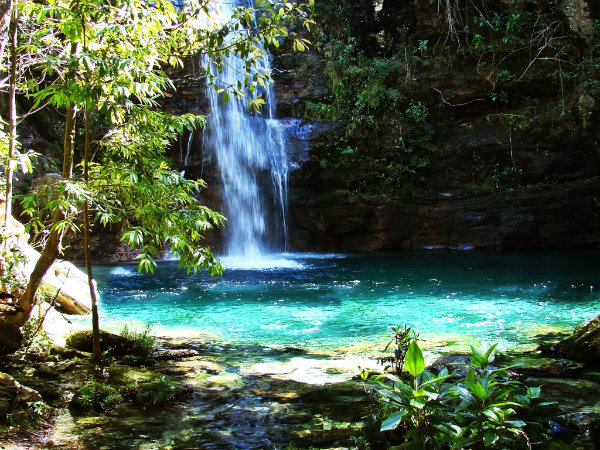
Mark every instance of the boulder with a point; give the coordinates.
(69, 287)
(55, 325)
(14, 396)
(10, 337)
(64, 283)
(111, 344)
(584, 344)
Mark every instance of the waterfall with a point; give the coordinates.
(250, 152)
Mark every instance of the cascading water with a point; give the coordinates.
(251, 156)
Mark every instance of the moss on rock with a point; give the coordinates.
(119, 346)
(584, 344)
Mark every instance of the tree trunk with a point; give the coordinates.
(12, 115)
(86, 244)
(6, 7)
(52, 248)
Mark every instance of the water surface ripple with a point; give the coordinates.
(315, 300)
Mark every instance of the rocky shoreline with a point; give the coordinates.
(240, 396)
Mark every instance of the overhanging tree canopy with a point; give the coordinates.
(109, 59)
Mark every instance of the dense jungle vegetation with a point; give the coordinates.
(421, 96)
(478, 84)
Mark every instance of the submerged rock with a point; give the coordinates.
(580, 429)
(560, 368)
(173, 354)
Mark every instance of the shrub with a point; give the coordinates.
(155, 392)
(94, 396)
(484, 409)
(141, 344)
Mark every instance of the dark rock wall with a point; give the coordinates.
(501, 177)
(536, 218)
(551, 198)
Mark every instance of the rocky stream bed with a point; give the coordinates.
(239, 396)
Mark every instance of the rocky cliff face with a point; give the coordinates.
(409, 131)
(536, 217)
(521, 171)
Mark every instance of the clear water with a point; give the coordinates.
(251, 155)
(337, 300)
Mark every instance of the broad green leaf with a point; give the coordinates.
(488, 354)
(465, 395)
(516, 423)
(391, 396)
(534, 392)
(438, 380)
(479, 391)
(471, 378)
(392, 422)
(414, 361)
(490, 437)
(418, 402)
(493, 415)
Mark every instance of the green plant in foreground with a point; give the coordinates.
(417, 408)
(141, 343)
(155, 392)
(30, 416)
(94, 396)
(483, 409)
(401, 338)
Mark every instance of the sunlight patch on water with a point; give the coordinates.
(123, 271)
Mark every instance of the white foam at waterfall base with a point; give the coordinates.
(261, 262)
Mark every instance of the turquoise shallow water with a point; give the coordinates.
(336, 300)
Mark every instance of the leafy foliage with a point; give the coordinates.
(96, 396)
(110, 59)
(140, 343)
(155, 392)
(518, 63)
(402, 336)
(484, 409)
(32, 415)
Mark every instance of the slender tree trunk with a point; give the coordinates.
(86, 243)
(9, 22)
(12, 115)
(6, 7)
(52, 248)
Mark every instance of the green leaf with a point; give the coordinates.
(516, 423)
(418, 402)
(534, 392)
(392, 422)
(489, 351)
(414, 361)
(393, 397)
(479, 391)
(490, 437)
(494, 414)
(465, 395)
(438, 380)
